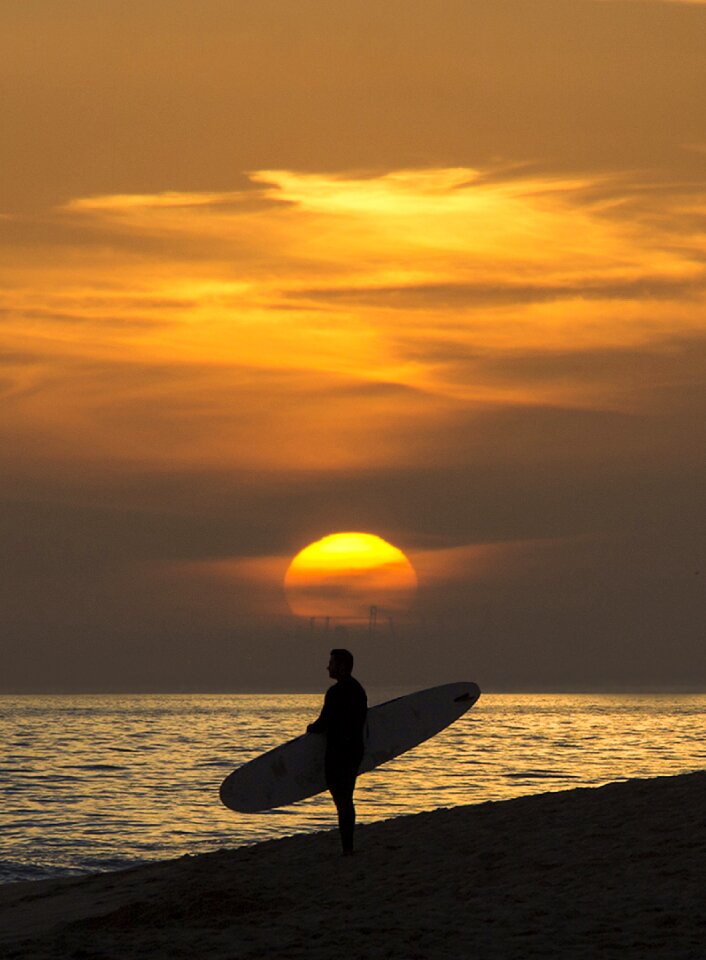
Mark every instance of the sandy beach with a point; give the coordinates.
(616, 871)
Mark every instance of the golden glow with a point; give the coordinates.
(270, 327)
(344, 574)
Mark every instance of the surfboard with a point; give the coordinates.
(295, 770)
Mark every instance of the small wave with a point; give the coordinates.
(18, 871)
(57, 778)
(97, 767)
(540, 775)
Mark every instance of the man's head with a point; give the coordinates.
(340, 664)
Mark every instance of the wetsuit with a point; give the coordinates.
(342, 719)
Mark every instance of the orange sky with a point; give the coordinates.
(275, 270)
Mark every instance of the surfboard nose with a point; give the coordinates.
(470, 695)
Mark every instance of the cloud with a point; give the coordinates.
(338, 322)
(425, 296)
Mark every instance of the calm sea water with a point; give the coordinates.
(101, 782)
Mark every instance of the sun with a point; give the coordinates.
(345, 574)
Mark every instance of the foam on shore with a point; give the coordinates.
(616, 871)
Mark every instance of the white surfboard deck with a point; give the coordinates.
(295, 770)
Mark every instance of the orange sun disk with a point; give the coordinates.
(345, 574)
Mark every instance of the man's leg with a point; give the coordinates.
(341, 775)
(341, 789)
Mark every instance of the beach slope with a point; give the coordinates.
(616, 871)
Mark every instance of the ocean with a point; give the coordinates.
(101, 782)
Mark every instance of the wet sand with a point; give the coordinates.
(617, 871)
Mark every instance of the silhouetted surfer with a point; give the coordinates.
(342, 719)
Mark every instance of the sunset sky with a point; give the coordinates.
(276, 269)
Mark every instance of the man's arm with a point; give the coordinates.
(361, 708)
(320, 725)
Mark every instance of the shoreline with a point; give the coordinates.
(616, 870)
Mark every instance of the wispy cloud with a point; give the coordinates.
(338, 321)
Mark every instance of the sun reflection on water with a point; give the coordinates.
(101, 782)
